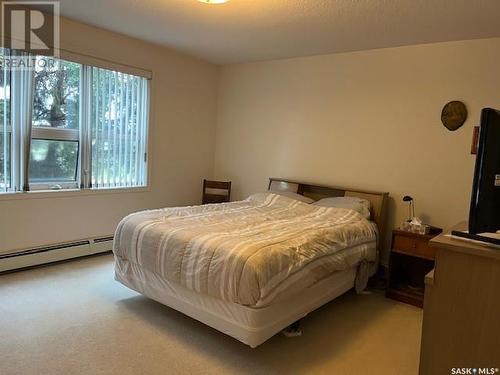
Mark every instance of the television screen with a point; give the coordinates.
(485, 202)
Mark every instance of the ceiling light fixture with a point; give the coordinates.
(213, 1)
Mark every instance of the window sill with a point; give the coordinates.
(44, 194)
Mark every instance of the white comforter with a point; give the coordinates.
(246, 252)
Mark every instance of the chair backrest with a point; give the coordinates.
(216, 191)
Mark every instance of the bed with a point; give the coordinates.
(251, 268)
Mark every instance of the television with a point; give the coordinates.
(484, 214)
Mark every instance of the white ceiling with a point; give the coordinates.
(250, 30)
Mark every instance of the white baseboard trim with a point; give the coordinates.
(54, 253)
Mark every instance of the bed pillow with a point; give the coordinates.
(295, 196)
(357, 204)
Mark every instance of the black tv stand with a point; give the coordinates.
(476, 237)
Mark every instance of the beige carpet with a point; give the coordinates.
(73, 318)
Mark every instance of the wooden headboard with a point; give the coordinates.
(378, 200)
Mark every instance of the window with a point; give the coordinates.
(82, 127)
(53, 162)
(55, 131)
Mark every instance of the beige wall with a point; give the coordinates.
(182, 131)
(365, 119)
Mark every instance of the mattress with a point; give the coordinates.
(251, 253)
(249, 325)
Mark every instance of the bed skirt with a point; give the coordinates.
(252, 326)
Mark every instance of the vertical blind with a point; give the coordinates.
(5, 128)
(118, 129)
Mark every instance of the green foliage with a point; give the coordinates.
(57, 94)
(53, 160)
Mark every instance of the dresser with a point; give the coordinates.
(461, 325)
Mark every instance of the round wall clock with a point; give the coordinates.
(454, 115)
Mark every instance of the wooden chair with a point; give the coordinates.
(216, 191)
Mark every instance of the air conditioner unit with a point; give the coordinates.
(54, 253)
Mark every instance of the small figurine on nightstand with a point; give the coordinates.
(414, 224)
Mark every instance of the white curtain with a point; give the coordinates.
(22, 91)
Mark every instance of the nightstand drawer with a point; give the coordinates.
(423, 249)
(403, 243)
(413, 246)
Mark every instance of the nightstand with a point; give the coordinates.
(410, 260)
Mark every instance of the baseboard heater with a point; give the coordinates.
(53, 253)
